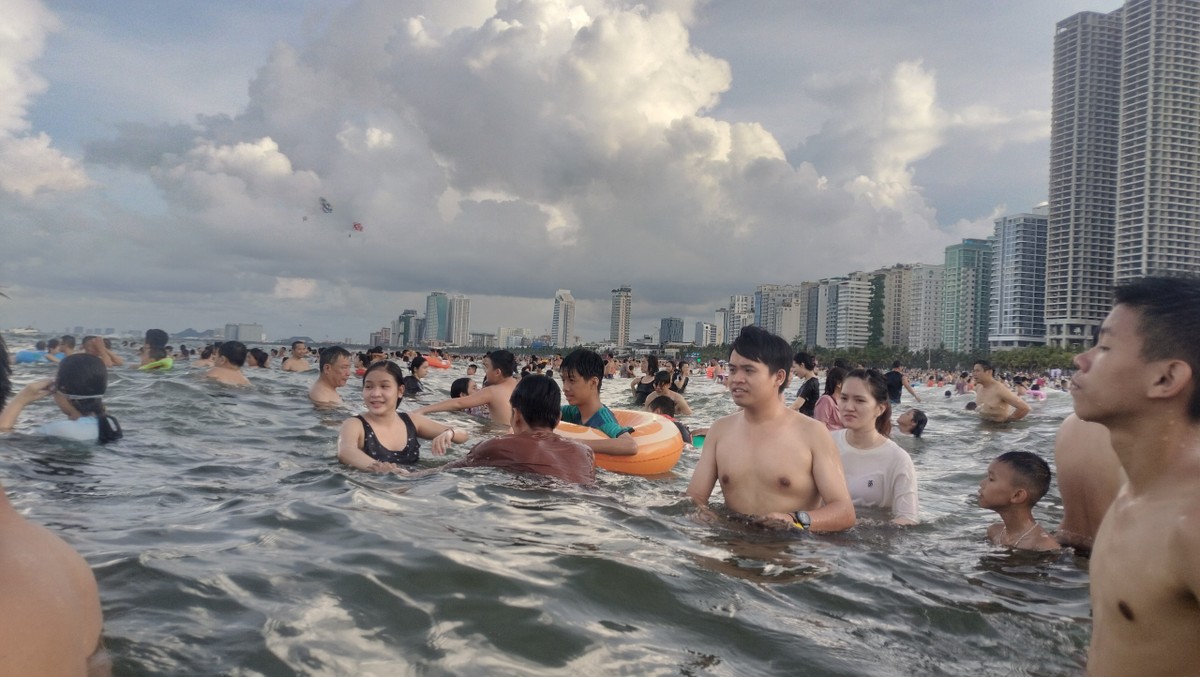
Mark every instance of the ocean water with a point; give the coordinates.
(227, 540)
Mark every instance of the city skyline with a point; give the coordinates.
(193, 146)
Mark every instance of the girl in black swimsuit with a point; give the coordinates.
(384, 438)
(642, 387)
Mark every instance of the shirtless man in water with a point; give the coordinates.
(298, 360)
(1089, 476)
(498, 368)
(335, 372)
(993, 400)
(1140, 381)
(774, 464)
(51, 622)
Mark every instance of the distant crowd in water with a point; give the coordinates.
(1127, 460)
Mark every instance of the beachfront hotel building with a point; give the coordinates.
(458, 321)
(562, 326)
(670, 330)
(1124, 158)
(706, 334)
(897, 304)
(622, 308)
(739, 314)
(437, 312)
(966, 295)
(1018, 282)
(925, 306)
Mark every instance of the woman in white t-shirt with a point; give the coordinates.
(878, 472)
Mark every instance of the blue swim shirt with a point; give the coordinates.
(603, 420)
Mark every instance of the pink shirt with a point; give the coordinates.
(827, 412)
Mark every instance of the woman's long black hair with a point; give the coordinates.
(82, 379)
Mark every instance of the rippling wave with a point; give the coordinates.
(227, 539)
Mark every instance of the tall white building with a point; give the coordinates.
(925, 300)
(966, 296)
(1018, 285)
(853, 311)
(706, 334)
(458, 317)
(562, 327)
(1124, 158)
(622, 308)
(437, 315)
(768, 300)
(897, 288)
(741, 314)
(721, 322)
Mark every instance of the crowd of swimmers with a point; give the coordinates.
(1128, 460)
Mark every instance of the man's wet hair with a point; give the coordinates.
(503, 360)
(67, 340)
(234, 351)
(585, 364)
(1030, 472)
(759, 345)
(663, 405)
(330, 354)
(920, 420)
(987, 366)
(1170, 322)
(803, 358)
(297, 343)
(52, 344)
(662, 378)
(539, 400)
(842, 363)
(156, 337)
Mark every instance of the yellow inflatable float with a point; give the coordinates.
(659, 443)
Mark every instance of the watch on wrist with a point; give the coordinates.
(801, 520)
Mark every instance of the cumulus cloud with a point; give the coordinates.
(511, 149)
(28, 163)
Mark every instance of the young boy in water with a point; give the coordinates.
(1015, 482)
(582, 372)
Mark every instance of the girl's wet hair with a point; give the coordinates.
(83, 379)
(833, 379)
(877, 387)
(416, 364)
(391, 368)
(460, 386)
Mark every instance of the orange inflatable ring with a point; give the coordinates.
(659, 443)
(437, 362)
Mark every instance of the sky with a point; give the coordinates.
(162, 164)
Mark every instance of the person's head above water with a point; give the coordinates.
(79, 387)
(1162, 314)
(502, 361)
(833, 380)
(864, 400)
(334, 364)
(156, 337)
(912, 422)
(1020, 477)
(461, 387)
(385, 369)
(584, 365)
(759, 345)
(538, 401)
(234, 353)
